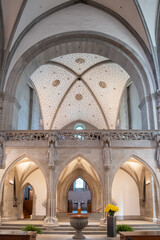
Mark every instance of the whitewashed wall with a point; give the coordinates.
(125, 193)
(37, 181)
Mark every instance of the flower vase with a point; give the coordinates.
(111, 226)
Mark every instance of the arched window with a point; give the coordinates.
(79, 126)
(79, 183)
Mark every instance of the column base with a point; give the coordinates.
(155, 220)
(102, 221)
(50, 222)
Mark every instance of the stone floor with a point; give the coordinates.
(91, 237)
(48, 236)
(40, 222)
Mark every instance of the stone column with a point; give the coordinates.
(158, 218)
(105, 195)
(158, 108)
(148, 111)
(2, 151)
(153, 199)
(106, 158)
(157, 155)
(51, 220)
(7, 104)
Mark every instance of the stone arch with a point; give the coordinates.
(141, 161)
(89, 42)
(73, 157)
(139, 187)
(13, 164)
(63, 186)
(63, 198)
(157, 34)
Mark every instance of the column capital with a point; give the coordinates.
(148, 98)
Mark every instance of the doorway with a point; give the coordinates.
(28, 201)
(79, 194)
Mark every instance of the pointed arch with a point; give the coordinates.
(68, 160)
(78, 168)
(136, 176)
(21, 199)
(13, 164)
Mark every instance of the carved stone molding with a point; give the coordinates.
(89, 135)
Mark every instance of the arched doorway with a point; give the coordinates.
(76, 170)
(22, 190)
(134, 191)
(79, 193)
(28, 194)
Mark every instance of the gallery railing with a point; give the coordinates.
(43, 135)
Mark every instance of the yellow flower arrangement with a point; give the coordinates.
(111, 209)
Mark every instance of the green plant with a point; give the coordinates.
(124, 228)
(31, 227)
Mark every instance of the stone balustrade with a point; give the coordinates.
(43, 135)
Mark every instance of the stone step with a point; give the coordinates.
(55, 229)
(73, 232)
(142, 225)
(63, 229)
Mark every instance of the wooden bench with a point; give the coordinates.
(143, 235)
(17, 235)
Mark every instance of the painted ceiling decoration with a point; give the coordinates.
(80, 86)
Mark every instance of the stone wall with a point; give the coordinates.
(123, 146)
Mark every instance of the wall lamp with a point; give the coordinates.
(147, 182)
(11, 182)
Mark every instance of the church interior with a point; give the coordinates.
(79, 110)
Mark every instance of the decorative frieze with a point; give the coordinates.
(44, 135)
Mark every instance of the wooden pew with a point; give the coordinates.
(143, 235)
(17, 235)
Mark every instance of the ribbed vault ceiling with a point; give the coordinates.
(78, 164)
(78, 86)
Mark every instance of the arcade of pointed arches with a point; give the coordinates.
(140, 190)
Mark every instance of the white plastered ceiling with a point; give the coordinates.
(86, 18)
(34, 9)
(80, 87)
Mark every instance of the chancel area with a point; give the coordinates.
(79, 109)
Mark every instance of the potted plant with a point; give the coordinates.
(124, 228)
(32, 228)
(111, 219)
